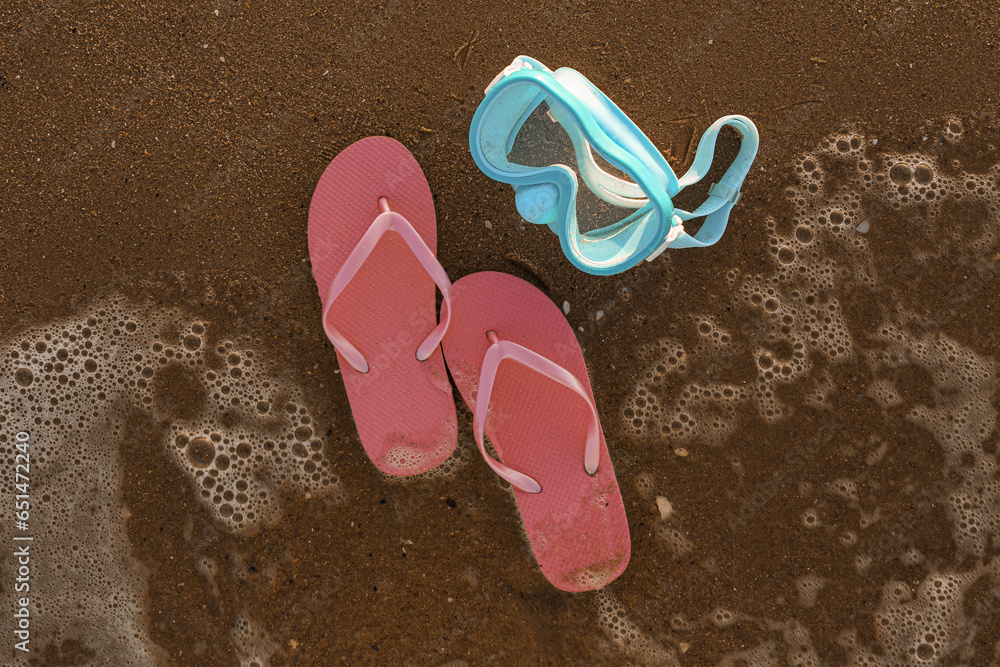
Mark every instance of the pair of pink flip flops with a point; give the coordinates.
(511, 353)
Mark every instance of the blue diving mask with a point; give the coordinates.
(544, 132)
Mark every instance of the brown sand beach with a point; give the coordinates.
(803, 418)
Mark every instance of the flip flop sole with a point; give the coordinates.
(577, 525)
(403, 408)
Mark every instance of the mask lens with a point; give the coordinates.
(543, 141)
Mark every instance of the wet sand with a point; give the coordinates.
(166, 155)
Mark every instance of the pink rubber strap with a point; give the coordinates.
(505, 349)
(385, 222)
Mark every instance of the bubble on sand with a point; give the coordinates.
(628, 639)
(900, 174)
(674, 538)
(23, 377)
(593, 579)
(88, 376)
(809, 586)
(722, 617)
(644, 483)
(254, 646)
(917, 626)
(200, 452)
(919, 385)
(953, 130)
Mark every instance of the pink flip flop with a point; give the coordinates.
(377, 290)
(516, 362)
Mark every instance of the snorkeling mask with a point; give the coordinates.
(543, 131)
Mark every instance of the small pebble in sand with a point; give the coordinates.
(864, 227)
(566, 307)
(291, 642)
(666, 509)
(489, 225)
(600, 314)
(680, 451)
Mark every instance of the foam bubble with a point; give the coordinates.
(669, 531)
(809, 587)
(407, 458)
(918, 627)
(644, 483)
(71, 385)
(953, 130)
(624, 634)
(722, 617)
(807, 360)
(254, 646)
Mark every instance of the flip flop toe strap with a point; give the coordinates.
(387, 221)
(501, 350)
